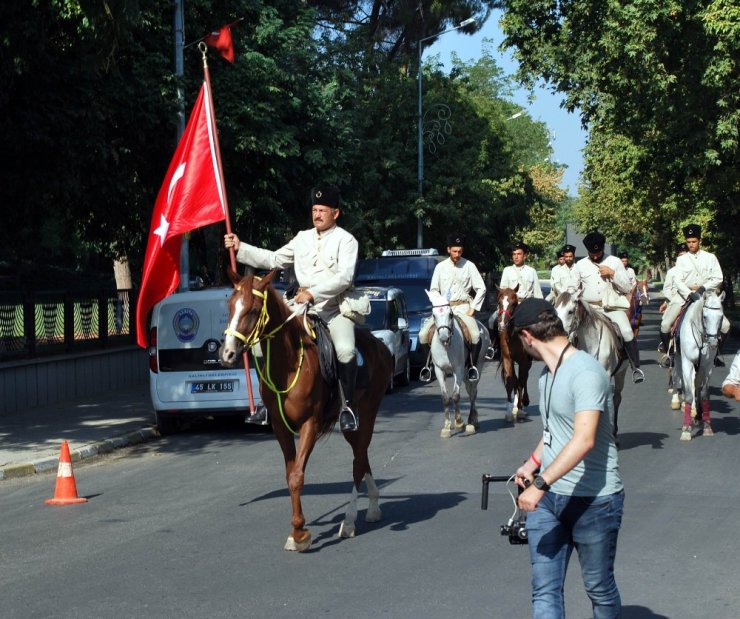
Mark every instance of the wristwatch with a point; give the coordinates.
(541, 484)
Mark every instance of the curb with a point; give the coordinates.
(13, 471)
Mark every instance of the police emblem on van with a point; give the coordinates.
(185, 324)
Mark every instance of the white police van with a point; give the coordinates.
(186, 379)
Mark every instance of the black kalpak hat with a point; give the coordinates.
(325, 195)
(559, 253)
(682, 248)
(623, 254)
(569, 248)
(455, 240)
(692, 231)
(594, 241)
(520, 245)
(529, 312)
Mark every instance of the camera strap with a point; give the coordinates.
(546, 432)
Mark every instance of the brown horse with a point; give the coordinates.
(300, 402)
(638, 299)
(512, 352)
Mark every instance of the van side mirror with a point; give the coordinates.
(403, 323)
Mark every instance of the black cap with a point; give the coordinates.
(623, 254)
(521, 245)
(682, 248)
(594, 241)
(692, 231)
(569, 248)
(559, 254)
(455, 240)
(529, 312)
(325, 195)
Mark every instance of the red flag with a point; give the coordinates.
(221, 40)
(192, 195)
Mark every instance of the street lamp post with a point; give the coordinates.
(420, 123)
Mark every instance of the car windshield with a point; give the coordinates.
(416, 297)
(376, 319)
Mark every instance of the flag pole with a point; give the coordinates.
(232, 257)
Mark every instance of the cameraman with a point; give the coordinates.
(577, 498)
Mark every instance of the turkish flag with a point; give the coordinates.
(192, 195)
(221, 40)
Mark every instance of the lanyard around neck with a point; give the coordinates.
(549, 395)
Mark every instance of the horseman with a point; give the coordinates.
(324, 259)
(594, 273)
(552, 295)
(454, 279)
(521, 276)
(566, 277)
(696, 272)
(671, 296)
(624, 257)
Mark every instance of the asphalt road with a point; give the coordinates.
(193, 525)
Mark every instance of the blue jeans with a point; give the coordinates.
(588, 524)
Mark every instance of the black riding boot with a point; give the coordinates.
(633, 354)
(473, 374)
(349, 420)
(718, 362)
(665, 343)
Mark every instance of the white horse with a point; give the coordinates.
(697, 347)
(448, 354)
(592, 331)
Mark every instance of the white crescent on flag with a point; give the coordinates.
(179, 173)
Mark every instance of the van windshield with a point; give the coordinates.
(394, 268)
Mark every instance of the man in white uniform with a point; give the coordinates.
(521, 275)
(731, 384)
(624, 257)
(696, 271)
(550, 298)
(324, 260)
(566, 278)
(454, 278)
(596, 272)
(671, 296)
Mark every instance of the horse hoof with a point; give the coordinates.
(686, 433)
(292, 545)
(470, 429)
(373, 515)
(459, 424)
(708, 429)
(346, 530)
(445, 433)
(522, 415)
(509, 417)
(675, 405)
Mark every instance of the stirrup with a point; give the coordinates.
(259, 418)
(638, 375)
(426, 374)
(666, 362)
(348, 420)
(490, 353)
(473, 375)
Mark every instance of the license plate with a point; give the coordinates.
(212, 387)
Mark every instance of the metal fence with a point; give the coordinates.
(35, 324)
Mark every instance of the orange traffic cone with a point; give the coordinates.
(66, 490)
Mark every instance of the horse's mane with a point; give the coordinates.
(589, 318)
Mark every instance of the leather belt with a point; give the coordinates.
(455, 303)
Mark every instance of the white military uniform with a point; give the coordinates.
(454, 282)
(594, 285)
(631, 276)
(669, 287)
(733, 378)
(693, 271)
(525, 277)
(566, 278)
(324, 264)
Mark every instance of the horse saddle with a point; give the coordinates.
(328, 356)
(676, 328)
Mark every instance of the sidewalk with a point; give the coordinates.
(30, 440)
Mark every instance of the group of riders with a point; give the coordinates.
(324, 259)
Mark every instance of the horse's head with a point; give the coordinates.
(642, 292)
(247, 315)
(442, 315)
(567, 306)
(507, 302)
(712, 316)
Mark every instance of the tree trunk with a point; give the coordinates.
(122, 273)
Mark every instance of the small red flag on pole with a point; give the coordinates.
(222, 41)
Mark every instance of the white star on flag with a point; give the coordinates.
(161, 232)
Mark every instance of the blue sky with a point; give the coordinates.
(569, 138)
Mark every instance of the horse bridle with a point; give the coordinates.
(449, 326)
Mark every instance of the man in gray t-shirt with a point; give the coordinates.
(572, 488)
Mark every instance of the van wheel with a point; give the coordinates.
(167, 425)
(405, 378)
